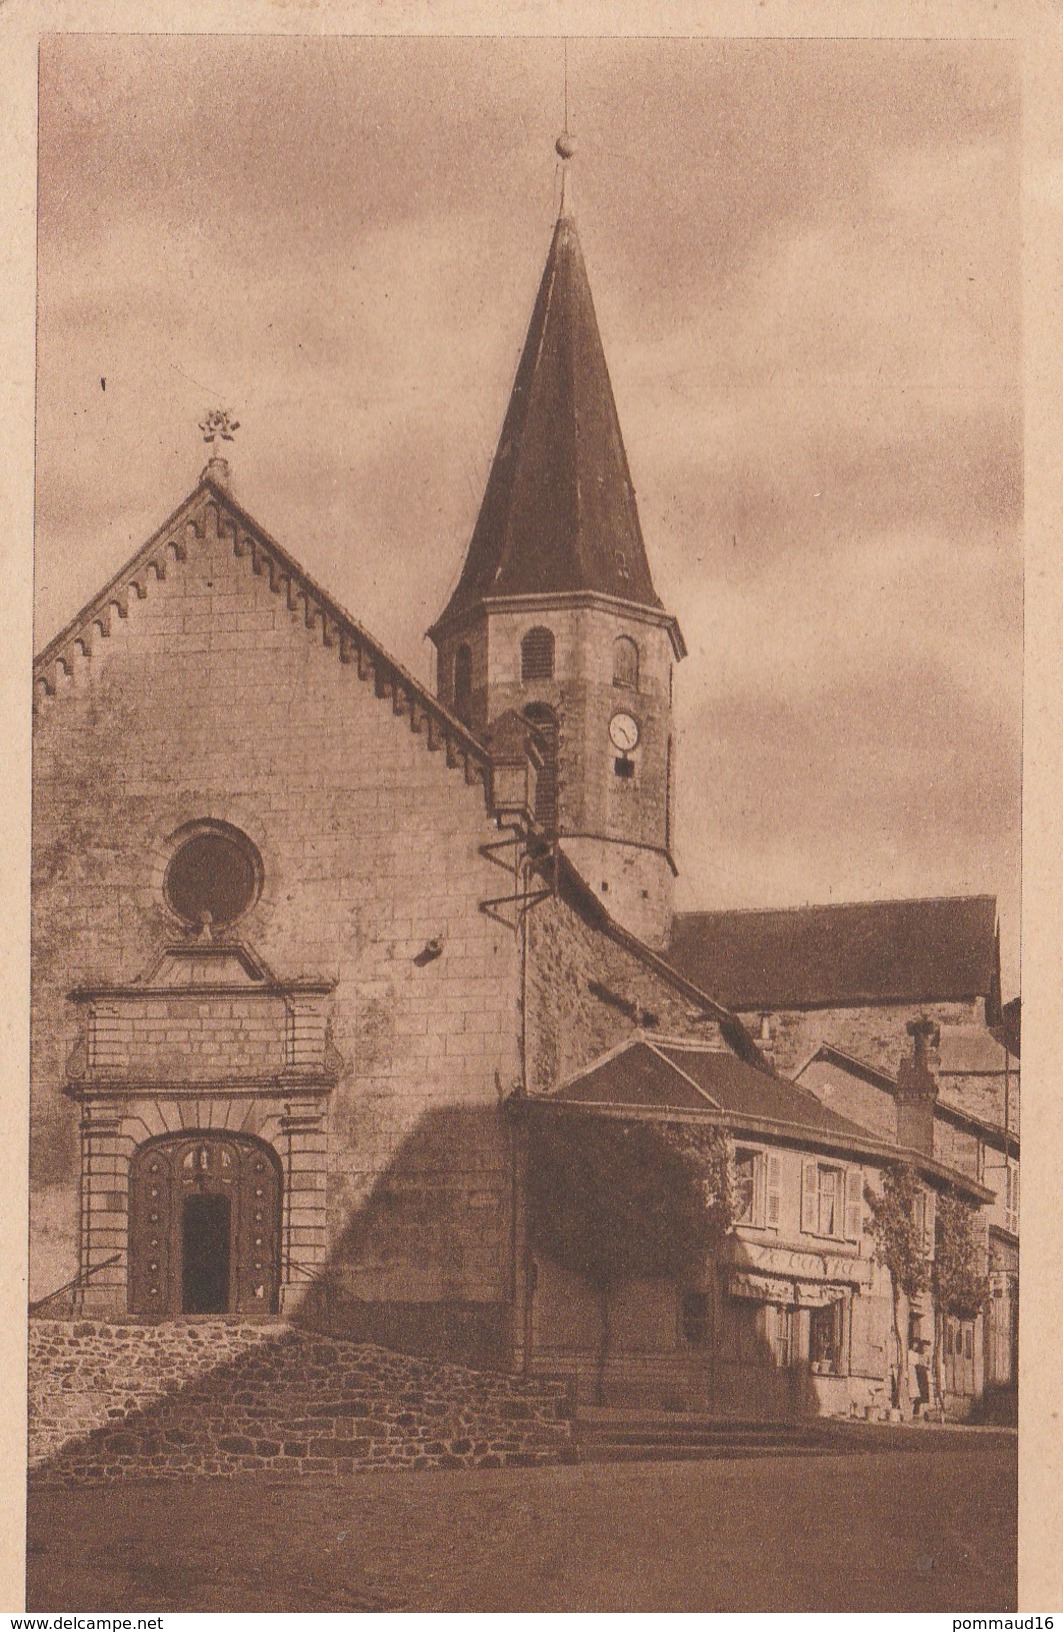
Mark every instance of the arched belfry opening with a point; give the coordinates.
(204, 1226)
(537, 655)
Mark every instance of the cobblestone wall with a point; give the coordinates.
(114, 1401)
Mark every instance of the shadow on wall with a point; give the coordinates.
(669, 1348)
(423, 1264)
(291, 1403)
(355, 1379)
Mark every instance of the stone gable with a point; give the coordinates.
(228, 691)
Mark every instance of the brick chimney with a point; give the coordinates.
(917, 1089)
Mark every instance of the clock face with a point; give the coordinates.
(623, 732)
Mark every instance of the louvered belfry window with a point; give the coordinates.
(537, 655)
(625, 663)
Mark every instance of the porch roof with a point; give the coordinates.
(678, 1079)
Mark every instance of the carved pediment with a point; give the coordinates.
(201, 963)
(208, 1013)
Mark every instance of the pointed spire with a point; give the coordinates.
(559, 513)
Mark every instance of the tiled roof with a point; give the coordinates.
(559, 513)
(914, 951)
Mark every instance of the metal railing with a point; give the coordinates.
(81, 1279)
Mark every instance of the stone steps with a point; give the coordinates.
(630, 1436)
(626, 1436)
(681, 1452)
(152, 1402)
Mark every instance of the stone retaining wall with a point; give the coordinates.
(113, 1401)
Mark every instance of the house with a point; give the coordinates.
(987, 1151)
(305, 932)
(793, 1314)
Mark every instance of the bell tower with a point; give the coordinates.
(555, 613)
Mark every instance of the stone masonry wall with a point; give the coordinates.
(220, 694)
(124, 1401)
(577, 977)
(873, 1033)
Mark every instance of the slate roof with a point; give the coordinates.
(669, 1075)
(559, 511)
(945, 1105)
(915, 951)
(645, 1075)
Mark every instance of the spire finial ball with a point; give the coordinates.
(565, 146)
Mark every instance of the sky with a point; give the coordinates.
(805, 259)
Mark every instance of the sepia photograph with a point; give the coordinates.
(526, 777)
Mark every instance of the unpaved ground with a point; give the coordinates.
(885, 1530)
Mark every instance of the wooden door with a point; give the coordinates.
(204, 1226)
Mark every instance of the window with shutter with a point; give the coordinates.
(745, 1186)
(810, 1197)
(854, 1204)
(1011, 1199)
(774, 1187)
(625, 662)
(922, 1217)
(830, 1201)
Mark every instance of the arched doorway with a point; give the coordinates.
(204, 1226)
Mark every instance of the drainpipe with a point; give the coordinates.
(520, 1138)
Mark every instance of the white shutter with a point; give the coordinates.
(759, 1180)
(809, 1197)
(774, 1208)
(854, 1203)
(928, 1225)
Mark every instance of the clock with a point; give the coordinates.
(623, 732)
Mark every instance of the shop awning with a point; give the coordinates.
(789, 1294)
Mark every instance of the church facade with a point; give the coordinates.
(305, 934)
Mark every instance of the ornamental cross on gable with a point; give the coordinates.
(218, 424)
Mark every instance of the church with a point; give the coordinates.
(313, 945)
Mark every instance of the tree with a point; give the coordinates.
(901, 1246)
(959, 1282)
(618, 1200)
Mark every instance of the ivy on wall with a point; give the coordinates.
(960, 1284)
(901, 1247)
(616, 1200)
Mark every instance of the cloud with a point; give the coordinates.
(805, 258)
(898, 784)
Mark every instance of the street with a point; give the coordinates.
(877, 1530)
